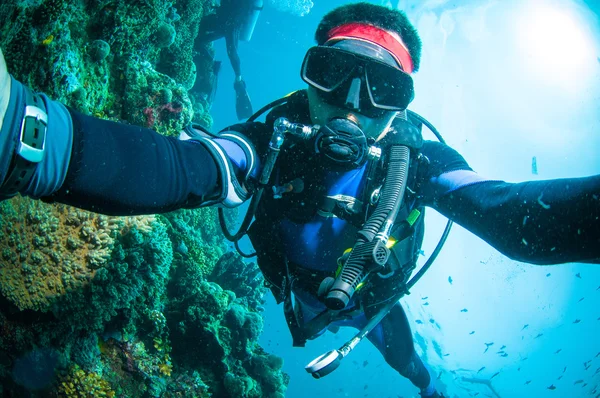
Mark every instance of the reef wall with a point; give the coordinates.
(146, 306)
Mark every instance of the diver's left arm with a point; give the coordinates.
(539, 222)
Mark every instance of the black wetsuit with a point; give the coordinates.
(121, 169)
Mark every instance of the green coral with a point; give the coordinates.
(126, 323)
(133, 282)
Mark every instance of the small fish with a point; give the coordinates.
(494, 375)
(559, 350)
(581, 299)
(488, 345)
(476, 394)
(552, 387)
(583, 385)
(440, 375)
(539, 335)
(480, 369)
(597, 355)
(586, 363)
(472, 332)
(518, 369)
(577, 321)
(559, 377)
(597, 370)
(366, 386)
(426, 303)
(578, 381)
(504, 355)
(565, 369)
(598, 288)
(450, 279)
(464, 310)
(500, 352)
(525, 326)
(365, 363)
(432, 321)
(420, 322)
(424, 298)
(503, 347)
(527, 382)
(446, 355)
(578, 275)
(548, 274)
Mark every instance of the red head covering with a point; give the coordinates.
(391, 42)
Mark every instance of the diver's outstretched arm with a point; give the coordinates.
(538, 222)
(109, 167)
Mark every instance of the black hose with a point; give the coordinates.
(429, 125)
(431, 258)
(247, 219)
(360, 262)
(393, 190)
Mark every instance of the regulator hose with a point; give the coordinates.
(370, 252)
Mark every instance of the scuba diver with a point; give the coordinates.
(339, 177)
(235, 20)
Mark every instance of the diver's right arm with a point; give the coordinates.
(109, 167)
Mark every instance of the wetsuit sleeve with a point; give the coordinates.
(120, 169)
(539, 222)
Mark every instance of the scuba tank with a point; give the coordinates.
(249, 23)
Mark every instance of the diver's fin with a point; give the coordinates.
(243, 106)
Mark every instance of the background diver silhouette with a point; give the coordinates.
(235, 21)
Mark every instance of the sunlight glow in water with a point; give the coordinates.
(556, 45)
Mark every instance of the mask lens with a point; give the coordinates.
(389, 88)
(326, 68)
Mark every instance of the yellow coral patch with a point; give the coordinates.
(47, 250)
(79, 383)
(165, 368)
(48, 40)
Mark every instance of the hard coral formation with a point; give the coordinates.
(79, 383)
(112, 49)
(50, 250)
(241, 277)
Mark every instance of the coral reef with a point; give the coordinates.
(92, 305)
(242, 278)
(79, 383)
(49, 250)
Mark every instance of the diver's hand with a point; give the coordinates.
(237, 163)
(4, 88)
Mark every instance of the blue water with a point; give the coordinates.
(502, 88)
